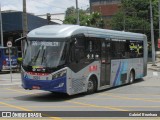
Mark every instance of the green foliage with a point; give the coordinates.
(134, 16)
(19, 60)
(94, 19)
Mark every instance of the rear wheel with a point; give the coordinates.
(92, 85)
(131, 77)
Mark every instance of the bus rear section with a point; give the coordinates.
(6, 55)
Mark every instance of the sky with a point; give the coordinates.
(39, 7)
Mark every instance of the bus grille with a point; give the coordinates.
(78, 85)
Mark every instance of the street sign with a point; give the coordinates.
(9, 44)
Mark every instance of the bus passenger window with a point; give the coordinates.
(93, 48)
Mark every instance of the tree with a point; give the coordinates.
(70, 16)
(94, 19)
(134, 16)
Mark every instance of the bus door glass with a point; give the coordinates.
(1, 59)
(105, 62)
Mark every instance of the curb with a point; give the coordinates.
(11, 85)
(155, 69)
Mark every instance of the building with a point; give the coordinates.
(106, 7)
(12, 22)
(57, 17)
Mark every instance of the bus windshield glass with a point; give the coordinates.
(44, 53)
(12, 51)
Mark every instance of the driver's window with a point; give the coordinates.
(77, 48)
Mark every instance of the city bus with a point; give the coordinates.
(4, 58)
(75, 59)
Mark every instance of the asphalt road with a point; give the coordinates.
(143, 95)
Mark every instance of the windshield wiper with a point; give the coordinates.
(43, 56)
(35, 57)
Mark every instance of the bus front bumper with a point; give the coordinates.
(56, 85)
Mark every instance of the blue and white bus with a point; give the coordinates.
(73, 59)
(4, 58)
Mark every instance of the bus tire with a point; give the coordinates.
(92, 85)
(131, 77)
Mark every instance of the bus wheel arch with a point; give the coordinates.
(131, 77)
(92, 84)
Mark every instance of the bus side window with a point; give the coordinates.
(120, 49)
(80, 49)
(93, 48)
(77, 49)
(72, 52)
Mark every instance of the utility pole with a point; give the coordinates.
(1, 27)
(77, 9)
(25, 28)
(90, 7)
(124, 21)
(25, 25)
(159, 16)
(152, 36)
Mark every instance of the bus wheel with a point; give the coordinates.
(92, 87)
(131, 77)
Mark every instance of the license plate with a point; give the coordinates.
(36, 87)
(36, 77)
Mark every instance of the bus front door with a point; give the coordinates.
(105, 62)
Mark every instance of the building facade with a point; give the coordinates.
(106, 7)
(12, 22)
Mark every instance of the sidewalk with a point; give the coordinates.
(5, 79)
(155, 68)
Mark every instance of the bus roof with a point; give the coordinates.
(63, 31)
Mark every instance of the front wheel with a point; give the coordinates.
(131, 77)
(92, 85)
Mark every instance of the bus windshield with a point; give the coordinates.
(13, 51)
(44, 53)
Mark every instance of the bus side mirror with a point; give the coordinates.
(24, 44)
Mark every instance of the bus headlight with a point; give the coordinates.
(59, 74)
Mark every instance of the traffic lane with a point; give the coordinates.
(29, 99)
(50, 102)
(104, 100)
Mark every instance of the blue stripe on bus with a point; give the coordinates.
(122, 69)
(117, 75)
(48, 85)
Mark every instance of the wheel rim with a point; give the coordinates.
(131, 77)
(90, 85)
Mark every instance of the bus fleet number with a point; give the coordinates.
(36, 77)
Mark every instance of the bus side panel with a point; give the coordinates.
(77, 81)
(138, 67)
(120, 70)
